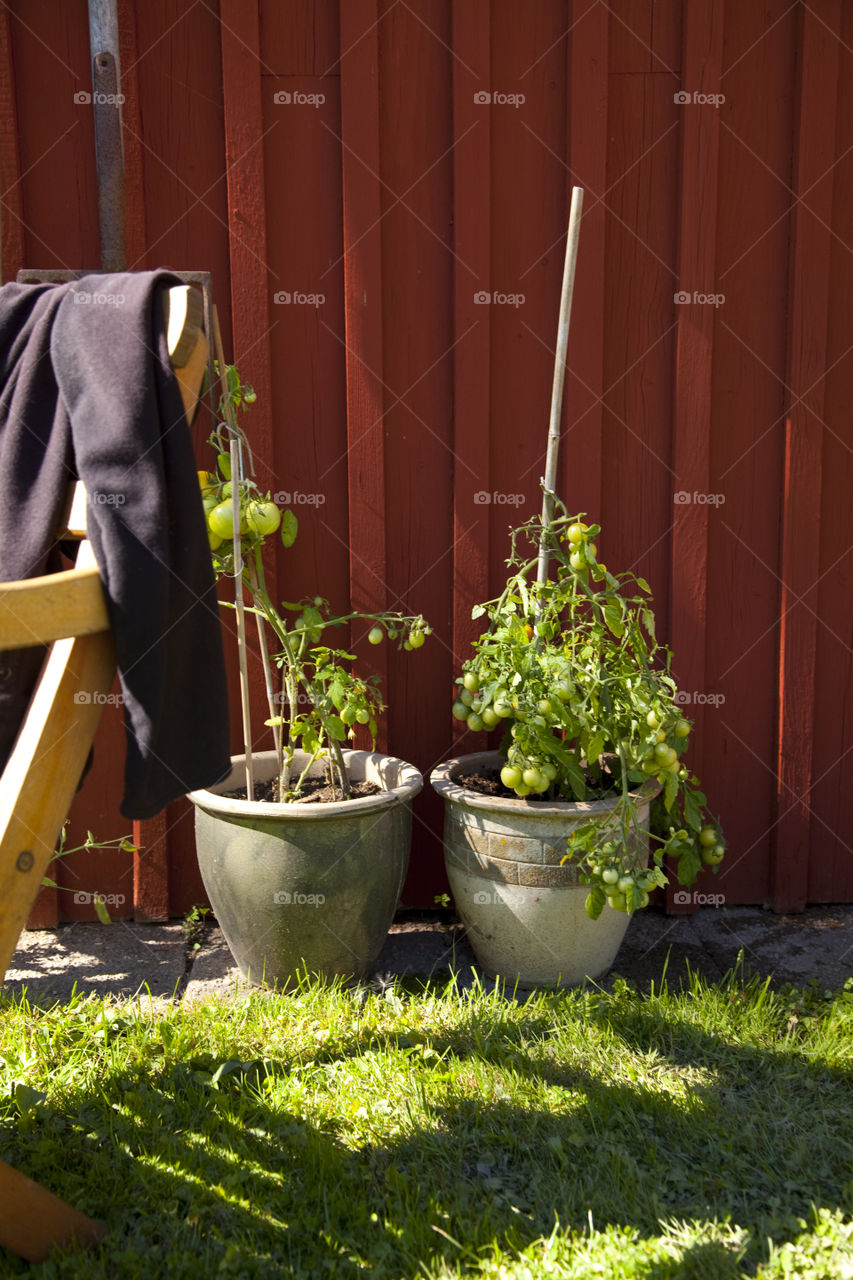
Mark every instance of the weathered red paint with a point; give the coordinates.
(400, 399)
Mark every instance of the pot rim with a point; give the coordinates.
(213, 801)
(443, 781)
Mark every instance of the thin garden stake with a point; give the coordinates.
(236, 476)
(559, 376)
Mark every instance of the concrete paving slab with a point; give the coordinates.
(120, 959)
(123, 959)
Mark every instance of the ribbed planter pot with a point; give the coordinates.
(313, 887)
(523, 909)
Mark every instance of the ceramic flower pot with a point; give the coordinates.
(524, 909)
(313, 887)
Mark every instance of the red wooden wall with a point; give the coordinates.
(346, 150)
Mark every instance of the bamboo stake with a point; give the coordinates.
(236, 477)
(550, 480)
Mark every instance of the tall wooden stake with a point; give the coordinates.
(236, 476)
(559, 375)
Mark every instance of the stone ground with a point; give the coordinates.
(124, 958)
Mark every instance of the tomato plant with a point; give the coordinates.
(320, 698)
(573, 670)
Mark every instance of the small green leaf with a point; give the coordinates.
(477, 611)
(336, 728)
(595, 902)
(613, 618)
(649, 622)
(289, 528)
(644, 586)
(101, 909)
(670, 791)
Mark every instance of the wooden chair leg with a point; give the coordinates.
(34, 1221)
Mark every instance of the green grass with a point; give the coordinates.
(422, 1131)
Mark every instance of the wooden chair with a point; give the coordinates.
(66, 610)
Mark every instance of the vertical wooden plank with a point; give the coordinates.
(11, 214)
(810, 256)
(247, 223)
(831, 854)
(151, 868)
(135, 239)
(700, 128)
(588, 98)
(472, 194)
(362, 209)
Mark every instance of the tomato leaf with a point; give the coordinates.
(613, 618)
(336, 728)
(644, 586)
(649, 622)
(670, 791)
(478, 611)
(101, 909)
(289, 528)
(595, 903)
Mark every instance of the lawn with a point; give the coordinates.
(419, 1130)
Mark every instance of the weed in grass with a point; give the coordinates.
(413, 1130)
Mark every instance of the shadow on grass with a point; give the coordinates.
(198, 1174)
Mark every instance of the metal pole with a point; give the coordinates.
(550, 480)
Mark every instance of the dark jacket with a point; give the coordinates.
(87, 390)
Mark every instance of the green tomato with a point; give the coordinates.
(626, 883)
(550, 770)
(610, 875)
(221, 520)
(263, 517)
(502, 708)
(475, 722)
(618, 901)
(416, 639)
(544, 706)
(471, 682)
(575, 532)
(564, 690)
(466, 697)
(713, 857)
(460, 711)
(510, 776)
(535, 780)
(682, 729)
(489, 717)
(708, 837)
(578, 562)
(223, 461)
(521, 790)
(348, 715)
(376, 635)
(652, 720)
